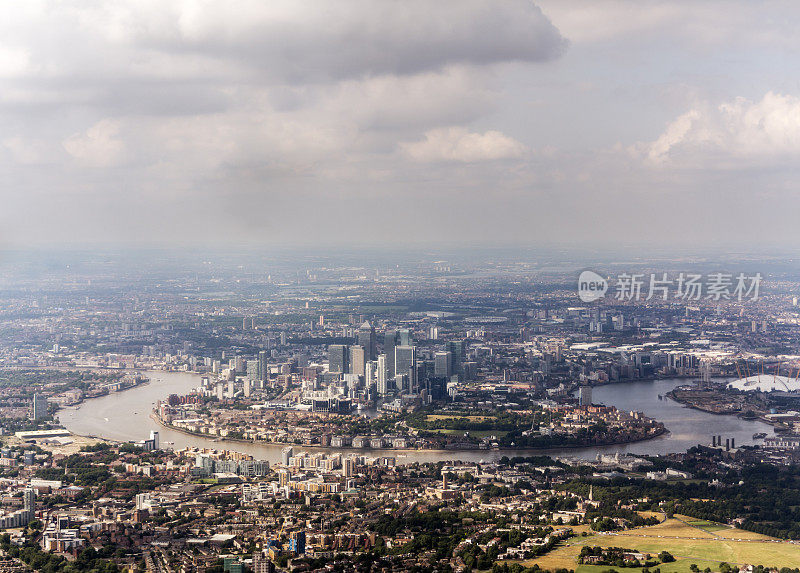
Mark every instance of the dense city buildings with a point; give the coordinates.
(293, 443)
(399, 287)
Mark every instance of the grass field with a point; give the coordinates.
(709, 526)
(688, 539)
(669, 528)
(433, 417)
(474, 433)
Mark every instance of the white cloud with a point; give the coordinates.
(303, 84)
(204, 110)
(458, 144)
(675, 134)
(455, 95)
(738, 133)
(98, 146)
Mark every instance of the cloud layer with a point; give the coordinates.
(190, 121)
(738, 133)
(457, 144)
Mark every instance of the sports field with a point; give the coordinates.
(688, 539)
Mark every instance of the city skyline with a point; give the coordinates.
(384, 286)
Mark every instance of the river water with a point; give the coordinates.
(126, 416)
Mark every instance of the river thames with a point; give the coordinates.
(125, 416)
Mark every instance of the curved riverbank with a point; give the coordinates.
(88, 399)
(125, 416)
(217, 439)
(674, 395)
(777, 425)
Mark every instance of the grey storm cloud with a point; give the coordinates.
(315, 40)
(106, 46)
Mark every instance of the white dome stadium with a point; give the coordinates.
(766, 383)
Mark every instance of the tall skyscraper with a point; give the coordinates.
(154, 438)
(443, 364)
(401, 383)
(263, 366)
(286, 456)
(357, 360)
(404, 336)
(337, 358)
(252, 370)
(405, 362)
(382, 375)
(39, 409)
(585, 396)
(366, 338)
(348, 467)
(389, 343)
(457, 348)
(29, 502)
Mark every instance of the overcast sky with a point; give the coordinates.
(378, 122)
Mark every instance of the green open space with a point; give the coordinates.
(685, 542)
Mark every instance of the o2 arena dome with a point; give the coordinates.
(766, 383)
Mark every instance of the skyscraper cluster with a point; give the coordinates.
(396, 368)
